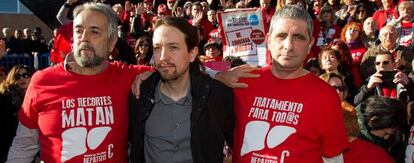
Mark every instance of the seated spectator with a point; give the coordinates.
(352, 35)
(328, 29)
(331, 62)
(336, 81)
(386, 13)
(143, 50)
(404, 23)
(199, 19)
(361, 13)
(213, 57)
(387, 81)
(360, 150)
(346, 13)
(12, 44)
(212, 18)
(370, 34)
(12, 91)
(402, 55)
(383, 122)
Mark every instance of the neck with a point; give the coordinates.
(351, 138)
(284, 73)
(332, 71)
(176, 89)
(389, 47)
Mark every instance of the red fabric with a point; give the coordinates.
(406, 33)
(365, 152)
(206, 25)
(334, 31)
(294, 120)
(73, 111)
(62, 44)
(315, 49)
(384, 16)
(389, 92)
(357, 54)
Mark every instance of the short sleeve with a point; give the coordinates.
(28, 114)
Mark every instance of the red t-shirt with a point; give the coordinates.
(81, 118)
(365, 152)
(406, 37)
(295, 120)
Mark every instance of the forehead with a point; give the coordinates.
(196, 7)
(165, 34)
(287, 25)
(383, 57)
(387, 30)
(88, 18)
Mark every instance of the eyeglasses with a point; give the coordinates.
(383, 63)
(24, 75)
(143, 45)
(339, 88)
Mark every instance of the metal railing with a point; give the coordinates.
(38, 62)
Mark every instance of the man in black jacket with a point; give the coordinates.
(181, 115)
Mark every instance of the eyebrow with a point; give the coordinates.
(93, 27)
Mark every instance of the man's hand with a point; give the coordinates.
(135, 87)
(197, 19)
(139, 9)
(2, 48)
(374, 80)
(401, 78)
(231, 77)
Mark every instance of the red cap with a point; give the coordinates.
(162, 8)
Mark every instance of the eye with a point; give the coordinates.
(299, 37)
(156, 49)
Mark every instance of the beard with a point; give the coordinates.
(86, 60)
(170, 75)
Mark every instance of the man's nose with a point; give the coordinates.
(288, 43)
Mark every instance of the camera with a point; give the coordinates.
(387, 79)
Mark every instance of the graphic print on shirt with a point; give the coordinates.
(80, 115)
(262, 132)
(409, 151)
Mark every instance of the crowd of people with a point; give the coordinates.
(142, 76)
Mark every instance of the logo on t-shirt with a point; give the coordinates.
(262, 133)
(80, 115)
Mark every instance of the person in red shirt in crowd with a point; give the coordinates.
(385, 14)
(87, 88)
(328, 29)
(198, 19)
(404, 23)
(170, 4)
(360, 150)
(213, 51)
(352, 35)
(267, 10)
(277, 119)
(386, 81)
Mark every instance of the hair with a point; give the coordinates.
(11, 79)
(105, 10)
(292, 12)
(350, 119)
(387, 53)
(365, 8)
(346, 59)
(405, 4)
(140, 40)
(328, 76)
(190, 36)
(356, 25)
(382, 112)
(329, 50)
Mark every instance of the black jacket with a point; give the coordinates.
(212, 118)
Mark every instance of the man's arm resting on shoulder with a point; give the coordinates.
(25, 145)
(231, 77)
(336, 159)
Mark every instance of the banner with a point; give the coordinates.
(244, 33)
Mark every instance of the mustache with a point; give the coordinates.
(86, 46)
(162, 64)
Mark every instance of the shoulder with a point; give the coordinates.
(47, 73)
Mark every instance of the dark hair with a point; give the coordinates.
(140, 41)
(382, 112)
(387, 53)
(190, 35)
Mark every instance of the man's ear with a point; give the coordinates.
(193, 54)
(312, 40)
(112, 44)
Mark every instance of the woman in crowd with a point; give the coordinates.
(143, 50)
(12, 91)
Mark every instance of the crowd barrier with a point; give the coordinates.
(38, 62)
